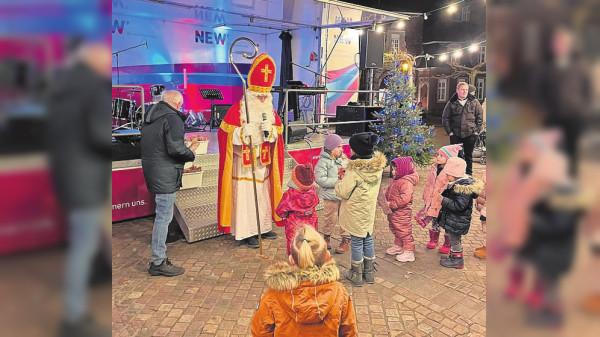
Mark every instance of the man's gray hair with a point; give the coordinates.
(172, 96)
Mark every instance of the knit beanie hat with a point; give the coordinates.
(332, 141)
(472, 88)
(303, 176)
(404, 166)
(449, 151)
(363, 144)
(455, 167)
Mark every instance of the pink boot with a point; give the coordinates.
(394, 250)
(515, 283)
(445, 249)
(433, 239)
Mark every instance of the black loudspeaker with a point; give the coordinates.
(218, 113)
(295, 133)
(344, 113)
(371, 50)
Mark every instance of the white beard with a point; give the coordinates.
(256, 108)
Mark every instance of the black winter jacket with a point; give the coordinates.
(163, 149)
(465, 120)
(78, 137)
(457, 205)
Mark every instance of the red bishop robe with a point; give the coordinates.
(225, 133)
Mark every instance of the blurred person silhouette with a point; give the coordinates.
(545, 206)
(562, 89)
(78, 137)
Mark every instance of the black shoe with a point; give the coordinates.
(269, 235)
(166, 268)
(173, 237)
(85, 327)
(252, 242)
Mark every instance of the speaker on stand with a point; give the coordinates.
(371, 57)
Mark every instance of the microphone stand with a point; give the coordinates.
(117, 55)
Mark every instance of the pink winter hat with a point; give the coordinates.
(404, 166)
(332, 141)
(449, 151)
(455, 167)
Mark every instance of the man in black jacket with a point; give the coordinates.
(78, 139)
(163, 156)
(462, 119)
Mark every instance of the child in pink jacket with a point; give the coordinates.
(298, 204)
(432, 196)
(399, 198)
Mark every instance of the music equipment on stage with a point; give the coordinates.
(371, 50)
(295, 133)
(122, 108)
(294, 97)
(157, 90)
(218, 112)
(344, 113)
(212, 95)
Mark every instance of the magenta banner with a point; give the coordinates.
(30, 214)
(130, 198)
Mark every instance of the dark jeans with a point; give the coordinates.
(468, 146)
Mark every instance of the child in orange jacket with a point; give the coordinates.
(304, 296)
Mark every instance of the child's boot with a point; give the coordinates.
(369, 270)
(535, 299)
(327, 239)
(407, 256)
(394, 250)
(344, 246)
(515, 282)
(433, 239)
(355, 274)
(445, 248)
(455, 260)
(480, 253)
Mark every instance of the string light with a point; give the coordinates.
(379, 29)
(401, 24)
(458, 52)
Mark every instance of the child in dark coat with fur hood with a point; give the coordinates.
(457, 206)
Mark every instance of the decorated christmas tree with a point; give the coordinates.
(402, 132)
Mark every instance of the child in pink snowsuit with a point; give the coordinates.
(432, 196)
(399, 198)
(298, 203)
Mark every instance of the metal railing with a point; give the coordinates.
(318, 123)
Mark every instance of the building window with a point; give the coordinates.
(480, 89)
(481, 54)
(466, 13)
(442, 90)
(461, 79)
(395, 42)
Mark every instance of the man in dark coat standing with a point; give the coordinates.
(163, 156)
(78, 138)
(462, 119)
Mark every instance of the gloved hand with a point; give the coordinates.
(249, 129)
(266, 126)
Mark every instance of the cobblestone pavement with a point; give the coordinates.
(224, 281)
